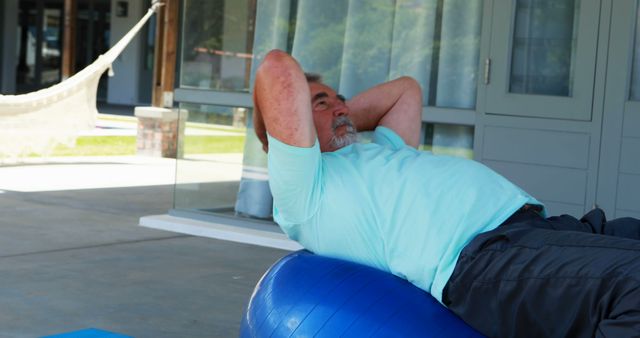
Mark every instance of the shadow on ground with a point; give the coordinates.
(76, 259)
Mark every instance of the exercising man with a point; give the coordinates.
(453, 227)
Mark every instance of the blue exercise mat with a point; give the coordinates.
(89, 333)
(312, 296)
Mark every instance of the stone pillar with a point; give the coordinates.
(160, 131)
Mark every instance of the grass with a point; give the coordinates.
(194, 125)
(99, 146)
(126, 145)
(451, 151)
(193, 144)
(213, 144)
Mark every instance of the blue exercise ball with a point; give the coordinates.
(306, 295)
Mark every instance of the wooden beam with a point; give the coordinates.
(69, 39)
(156, 94)
(165, 54)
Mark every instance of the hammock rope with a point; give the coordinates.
(34, 123)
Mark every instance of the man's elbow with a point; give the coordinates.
(275, 62)
(411, 86)
(276, 55)
(412, 92)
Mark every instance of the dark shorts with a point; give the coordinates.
(555, 277)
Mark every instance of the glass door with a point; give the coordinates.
(216, 55)
(93, 28)
(39, 44)
(51, 44)
(542, 58)
(619, 176)
(26, 78)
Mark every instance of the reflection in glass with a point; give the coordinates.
(217, 41)
(357, 44)
(51, 45)
(39, 45)
(448, 139)
(27, 31)
(93, 28)
(544, 43)
(208, 174)
(635, 73)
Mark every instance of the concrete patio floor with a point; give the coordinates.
(72, 256)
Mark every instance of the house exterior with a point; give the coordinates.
(545, 92)
(32, 50)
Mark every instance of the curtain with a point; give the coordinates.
(320, 50)
(356, 44)
(414, 22)
(271, 32)
(459, 53)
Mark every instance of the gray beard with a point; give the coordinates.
(349, 137)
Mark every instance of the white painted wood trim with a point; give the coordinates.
(231, 233)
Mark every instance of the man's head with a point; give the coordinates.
(330, 116)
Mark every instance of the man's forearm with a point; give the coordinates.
(281, 96)
(396, 104)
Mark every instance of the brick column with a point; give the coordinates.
(160, 131)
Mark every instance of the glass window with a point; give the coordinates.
(93, 28)
(51, 45)
(544, 43)
(27, 32)
(635, 73)
(208, 172)
(448, 139)
(353, 44)
(217, 41)
(39, 45)
(356, 44)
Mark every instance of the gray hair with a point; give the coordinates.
(313, 77)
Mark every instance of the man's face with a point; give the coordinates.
(331, 118)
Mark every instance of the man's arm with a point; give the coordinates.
(258, 125)
(281, 98)
(282, 102)
(396, 105)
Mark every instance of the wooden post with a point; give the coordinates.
(165, 54)
(160, 128)
(69, 39)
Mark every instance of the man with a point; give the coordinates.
(453, 227)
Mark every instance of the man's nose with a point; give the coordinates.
(340, 109)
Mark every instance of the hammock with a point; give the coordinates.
(36, 122)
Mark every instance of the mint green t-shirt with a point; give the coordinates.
(387, 205)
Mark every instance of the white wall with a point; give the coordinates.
(124, 86)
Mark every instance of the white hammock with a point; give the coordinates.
(36, 122)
